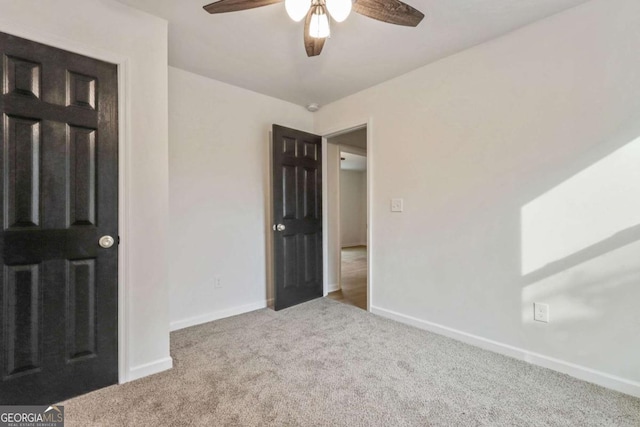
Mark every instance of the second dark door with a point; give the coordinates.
(297, 215)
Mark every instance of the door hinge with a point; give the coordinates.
(118, 240)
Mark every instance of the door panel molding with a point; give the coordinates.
(22, 318)
(22, 148)
(80, 293)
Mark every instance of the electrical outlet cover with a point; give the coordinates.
(541, 312)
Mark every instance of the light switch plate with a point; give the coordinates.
(397, 205)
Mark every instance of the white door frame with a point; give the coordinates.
(124, 166)
(328, 133)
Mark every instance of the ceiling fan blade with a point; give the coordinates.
(391, 11)
(223, 6)
(312, 45)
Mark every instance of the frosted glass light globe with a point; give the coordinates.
(297, 9)
(319, 25)
(339, 9)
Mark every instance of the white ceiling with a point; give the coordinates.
(353, 162)
(261, 49)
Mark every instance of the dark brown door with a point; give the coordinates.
(59, 193)
(297, 214)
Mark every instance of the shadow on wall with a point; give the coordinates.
(580, 253)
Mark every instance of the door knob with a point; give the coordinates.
(106, 242)
(279, 227)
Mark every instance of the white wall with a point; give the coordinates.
(472, 140)
(112, 31)
(219, 183)
(353, 208)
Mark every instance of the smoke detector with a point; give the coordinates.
(313, 107)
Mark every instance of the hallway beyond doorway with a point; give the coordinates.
(354, 277)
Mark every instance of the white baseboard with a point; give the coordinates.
(332, 287)
(215, 315)
(147, 369)
(581, 372)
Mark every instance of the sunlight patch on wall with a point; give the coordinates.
(591, 206)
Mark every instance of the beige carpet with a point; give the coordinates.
(329, 364)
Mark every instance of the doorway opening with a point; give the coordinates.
(347, 217)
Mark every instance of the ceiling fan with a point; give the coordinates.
(315, 12)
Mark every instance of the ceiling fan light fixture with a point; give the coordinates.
(319, 26)
(316, 14)
(339, 9)
(297, 9)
